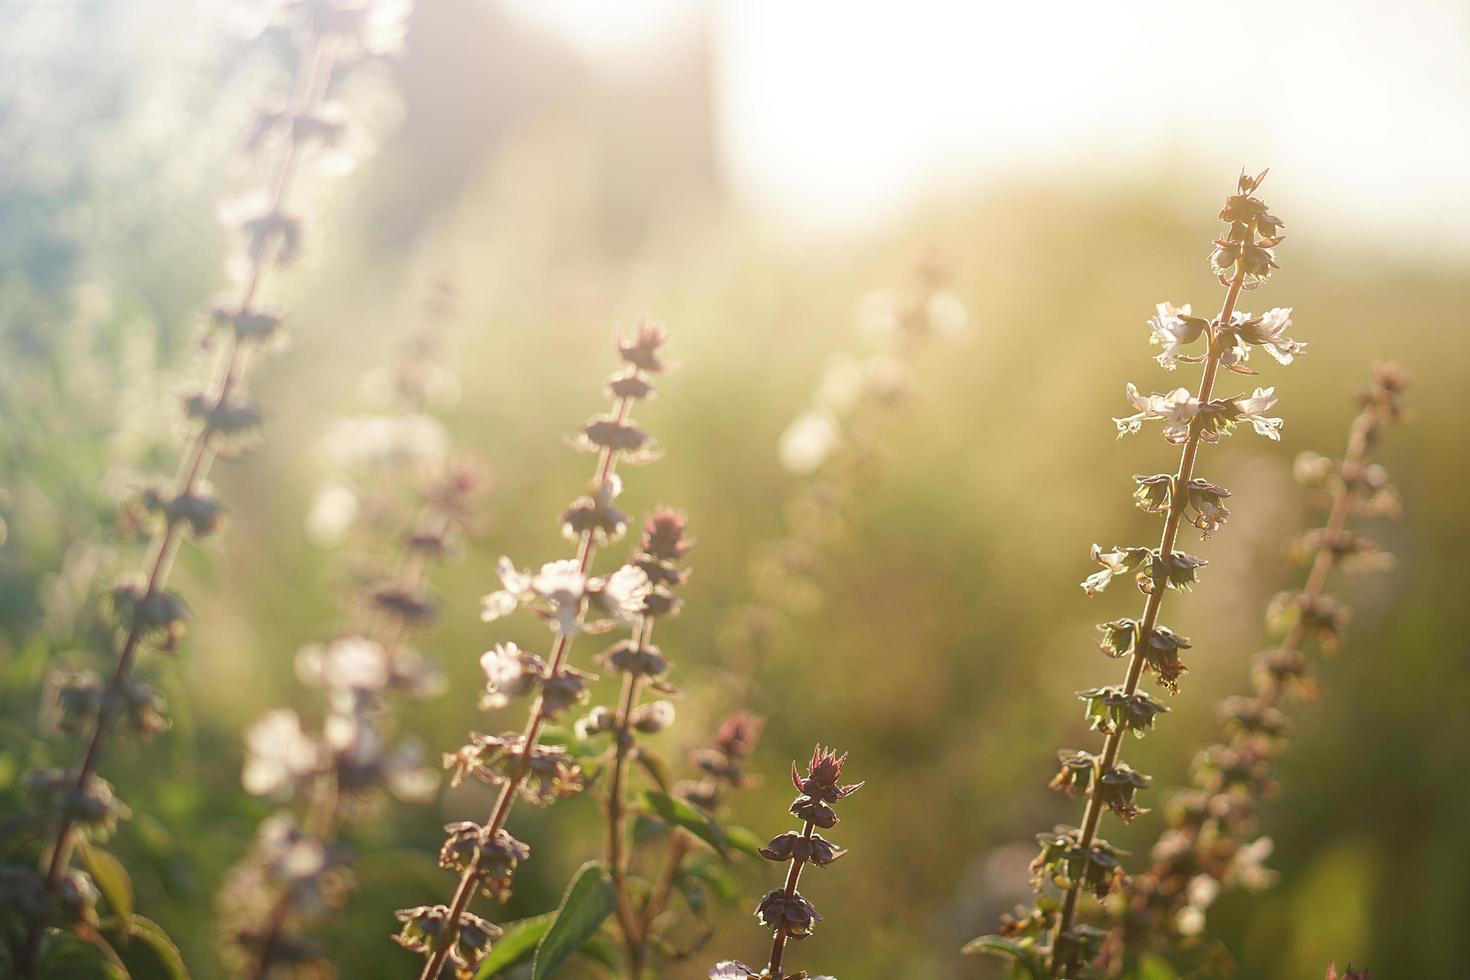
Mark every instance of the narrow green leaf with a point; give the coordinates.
(1022, 956)
(112, 881)
(153, 956)
(588, 902)
(744, 840)
(1156, 968)
(518, 941)
(66, 956)
(719, 877)
(681, 814)
(657, 767)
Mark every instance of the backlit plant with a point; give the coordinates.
(785, 911)
(527, 764)
(1211, 842)
(1050, 939)
(52, 916)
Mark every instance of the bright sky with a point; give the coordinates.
(834, 114)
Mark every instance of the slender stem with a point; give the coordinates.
(313, 72)
(1178, 499)
(793, 876)
(658, 900)
(324, 818)
(617, 858)
(465, 890)
(1270, 687)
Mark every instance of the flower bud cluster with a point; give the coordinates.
(785, 911)
(836, 444)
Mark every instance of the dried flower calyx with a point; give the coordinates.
(547, 772)
(427, 928)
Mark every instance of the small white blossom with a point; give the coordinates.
(1270, 332)
(287, 851)
(1112, 562)
(620, 595)
(947, 314)
(333, 512)
(279, 754)
(510, 672)
(881, 313)
(352, 663)
(807, 442)
(556, 591)
(1252, 410)
(1175, 409)
(1172, 332)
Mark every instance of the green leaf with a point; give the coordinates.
(720, 878)
(1022, 956)
(66, 956)
(657, 767)
(681, 814)
(1156, 968)
(153, 956)
(588, 902)
(112, 881)
(744, 840)
(518, 941)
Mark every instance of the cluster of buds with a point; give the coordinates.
(570, 601)
(784, 910)
(297, 870)
(722, 765)
(1212, 840)
(224, 420)
(835, 444)
(1048, 939)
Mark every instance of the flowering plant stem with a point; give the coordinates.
(324, 818)
(312, 76)
(634, 927)
(586, 548)
(793, 878)
(1177, 502)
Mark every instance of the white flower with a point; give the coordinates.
(842, 385)
(881, 313)
(279, 754)
(351, 663)
(556, 591)
(807, 442)
(1252, 408)
(1172, 332)
(1270, 332)
(947, 314)
(1112, 562)
(408, 776)
(334, 511)
(621, 594)
(510, 672)
(1248, 868)
(287, 851)
(1175, 409)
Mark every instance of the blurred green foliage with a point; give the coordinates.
(952, 633)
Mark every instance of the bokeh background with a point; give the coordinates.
(747, 172)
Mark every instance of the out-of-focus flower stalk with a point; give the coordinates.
(1206, 847)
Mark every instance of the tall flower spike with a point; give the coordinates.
(658, 558)
(225, 420)
(1048, 940)
(572, 601)
(785, 911)
(295, 875)
(834, 445)
(1212, 840)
